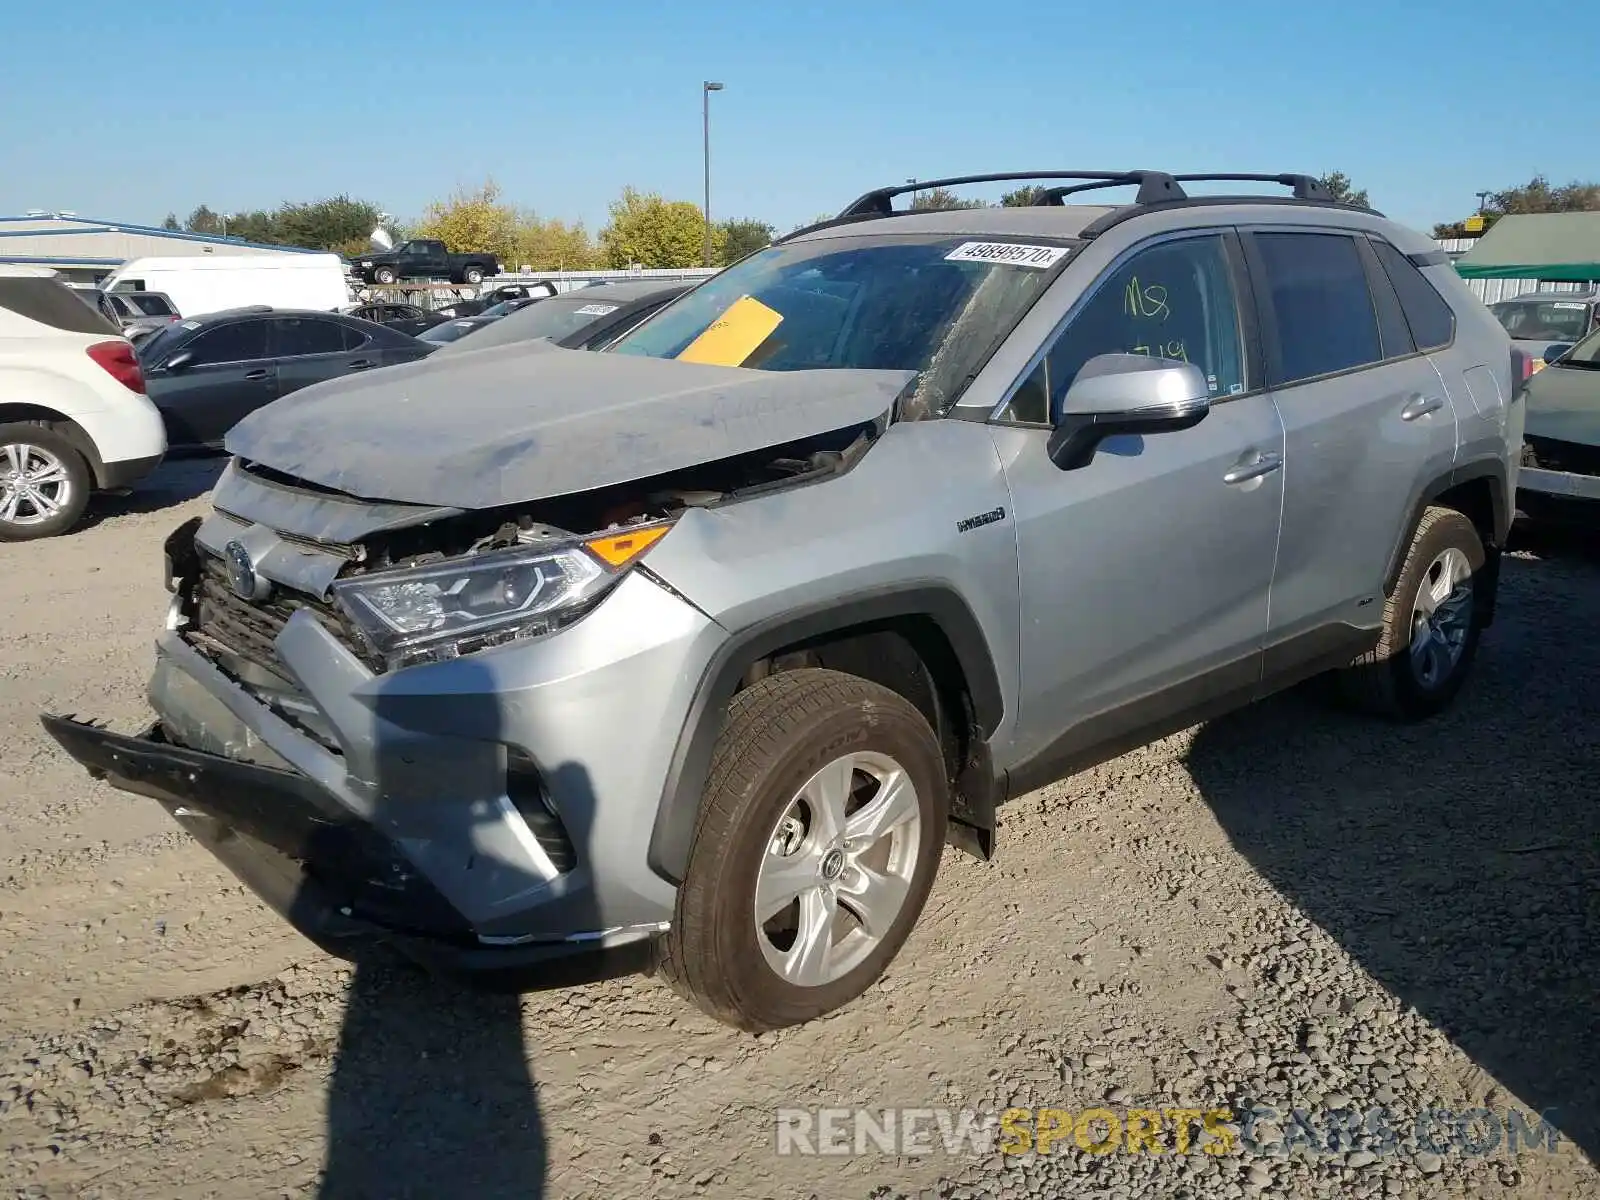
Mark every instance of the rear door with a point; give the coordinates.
(1365, 416)
(228, 377)
(310, 349)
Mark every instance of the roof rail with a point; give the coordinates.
(1154, 186)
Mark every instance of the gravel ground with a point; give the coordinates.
(1287, 909)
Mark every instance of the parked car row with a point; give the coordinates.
(189, 380)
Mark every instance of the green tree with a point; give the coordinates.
(203, 220)
(474, 220)
(742, 237)
(656, 233)
(338, 223)
(171, 222)
(1535, 196)
(941, 199)
(553, 245)
(1342, 190)
(1023, 197)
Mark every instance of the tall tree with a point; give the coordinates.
(203, 220)
(473, 220)
(1345, 192)
(1024, 196)
(553, 245)
(741, 238)
(940, 199)
(171, 222)
(336, 223)
(654, 232)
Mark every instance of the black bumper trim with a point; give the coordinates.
(115, 475)
(332, 876)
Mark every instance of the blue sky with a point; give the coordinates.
(128, 110)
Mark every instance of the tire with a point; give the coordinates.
(40, 452)
(779, 736)
(383, 275)
(1408, 680)
(472, 275)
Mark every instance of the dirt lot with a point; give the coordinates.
(1291, 908)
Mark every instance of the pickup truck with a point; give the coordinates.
(425, 258)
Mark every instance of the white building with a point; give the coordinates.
(84, 250)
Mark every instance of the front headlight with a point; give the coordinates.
(426, 614)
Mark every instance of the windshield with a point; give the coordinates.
(1543, 320)
(1585, 355)
(448, 332)
(549, 319)
(938, 305)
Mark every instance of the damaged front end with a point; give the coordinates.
(329, 728)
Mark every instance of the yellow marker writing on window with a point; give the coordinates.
(734, 336)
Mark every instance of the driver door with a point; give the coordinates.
(1144, 574)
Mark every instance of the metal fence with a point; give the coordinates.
(1491, 291)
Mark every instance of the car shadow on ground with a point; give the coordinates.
(175, 481)
(432, 1092)
(1457, 861)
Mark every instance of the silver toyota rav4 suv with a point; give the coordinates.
(704, 647)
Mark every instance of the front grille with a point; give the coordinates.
(249, 629)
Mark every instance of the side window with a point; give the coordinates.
(1393, 332)
(1175, 300)
(241, 341)
(354, 339)
(1432, 320)
(1317, 290)
(294, 336)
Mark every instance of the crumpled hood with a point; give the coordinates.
(529, 421)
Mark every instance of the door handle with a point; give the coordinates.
(1266, 464)
(1420, 406)
(362, 364)
(257, 374)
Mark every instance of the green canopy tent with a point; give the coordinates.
(1558, 247)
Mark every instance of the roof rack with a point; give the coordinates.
(1154, 186)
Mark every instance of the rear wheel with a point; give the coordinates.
(1431, 624)
(473, 275)
(818, 840)
(44, 483)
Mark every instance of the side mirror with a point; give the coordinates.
(179, 361)
(1555, 350)
(1126, 393)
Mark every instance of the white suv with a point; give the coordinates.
(73, 414)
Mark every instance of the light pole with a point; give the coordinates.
(912, 181)
(706, 88)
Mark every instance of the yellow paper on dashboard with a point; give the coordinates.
(734, 336)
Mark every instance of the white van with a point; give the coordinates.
(200, 283)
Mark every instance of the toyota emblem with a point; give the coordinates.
(242, 577)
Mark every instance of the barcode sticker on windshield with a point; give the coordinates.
(1567, 304)
(597, 310)
(1013, 254)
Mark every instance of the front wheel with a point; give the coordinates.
(383, 275)
(1431, 624)
(44, 483)
(818, 839)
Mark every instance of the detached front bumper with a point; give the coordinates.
(336, 880)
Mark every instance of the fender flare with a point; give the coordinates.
(1492, 469)
(673, 830)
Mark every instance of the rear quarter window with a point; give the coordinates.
(1432, 320)
(50, 302)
